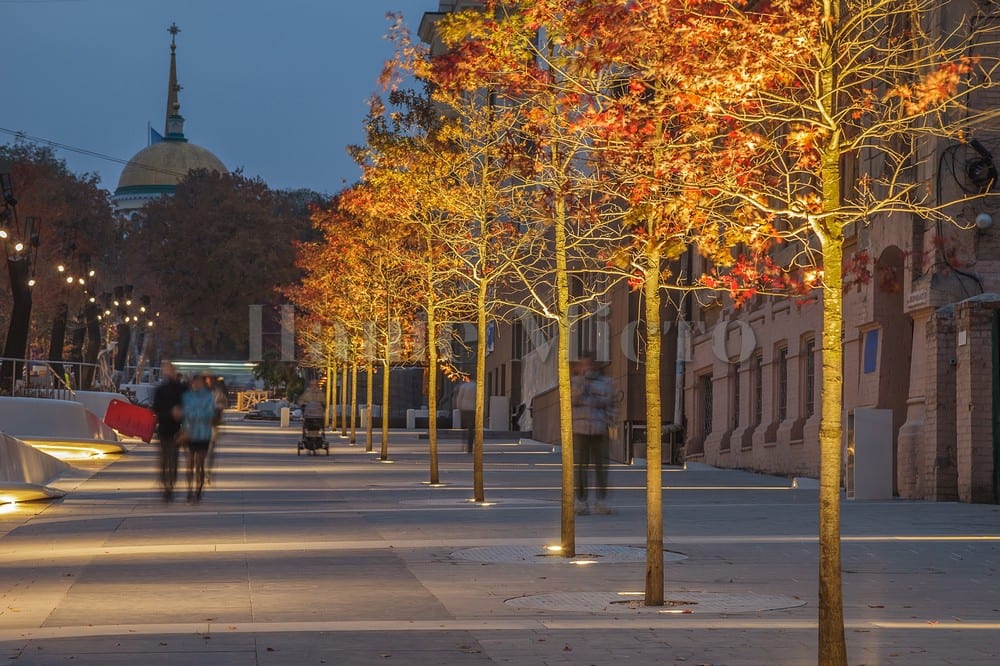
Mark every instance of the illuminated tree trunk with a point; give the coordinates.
(832, 644)
(654, 444)
(370, 396)
(478, 489)
(568, 522)
(386, 361)
(354, 403)
(432, 362)
(330, 394)
(344, 398)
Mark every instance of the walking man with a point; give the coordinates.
(167, 405)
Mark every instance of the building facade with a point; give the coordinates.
(920, 342)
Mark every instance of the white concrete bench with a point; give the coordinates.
(56, 422)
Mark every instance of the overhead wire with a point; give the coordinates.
(90, 153)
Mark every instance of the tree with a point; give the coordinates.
(74, 226)
(220, 239)
(517, 52)
(410, 168)
(834, 84)
(471, 184)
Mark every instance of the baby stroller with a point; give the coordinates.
(313, 433)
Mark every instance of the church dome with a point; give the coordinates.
(158, 168)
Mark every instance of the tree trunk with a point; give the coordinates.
(354, 402)
(124, 343)
(344, 398)
(832, 644)
(58, 340)
(331, 394)
(654, 444)
(832, 647)
(386, 361)
(432, 361)
(370, 396)
(568, 522)
(94, 342)
(16, 345)
(478, 485)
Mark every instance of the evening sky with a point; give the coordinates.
(277, 88)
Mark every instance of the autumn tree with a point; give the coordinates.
(514, 54)
(471, 186)
(652, 150)
(71, 219)
(221, 243)
(411, 165)
(382, 260)
(814, 90)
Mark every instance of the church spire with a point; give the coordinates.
(175, 121)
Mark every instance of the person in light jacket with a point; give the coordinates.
(198, 404)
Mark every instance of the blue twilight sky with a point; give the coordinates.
(277, 87)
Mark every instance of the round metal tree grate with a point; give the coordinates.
(675, 602)
(585, 554)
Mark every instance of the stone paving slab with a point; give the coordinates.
(290, 560)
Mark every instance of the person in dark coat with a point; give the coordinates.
(167, 406)
(593, 413)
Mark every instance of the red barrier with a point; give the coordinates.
(131, 420)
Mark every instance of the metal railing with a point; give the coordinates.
(48, 379)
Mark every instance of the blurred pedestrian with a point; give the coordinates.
(593, 414)
(465, 402)
(167, 406)
(199, 413)
(218, 387)
(313, 401)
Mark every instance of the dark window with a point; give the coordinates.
(736, 394)
(517, 341)
(810, 373)
(758, 388)
(782, 383)
(706, 404)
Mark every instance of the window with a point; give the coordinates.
(870, 359)
(735, 378)
(782, 378)
(706, 404)
(756, 369)
(810, 377)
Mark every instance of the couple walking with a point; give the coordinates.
(186, 416)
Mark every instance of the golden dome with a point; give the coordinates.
(156, 169)
(159, 167)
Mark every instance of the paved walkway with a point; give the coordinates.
(347, 560)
